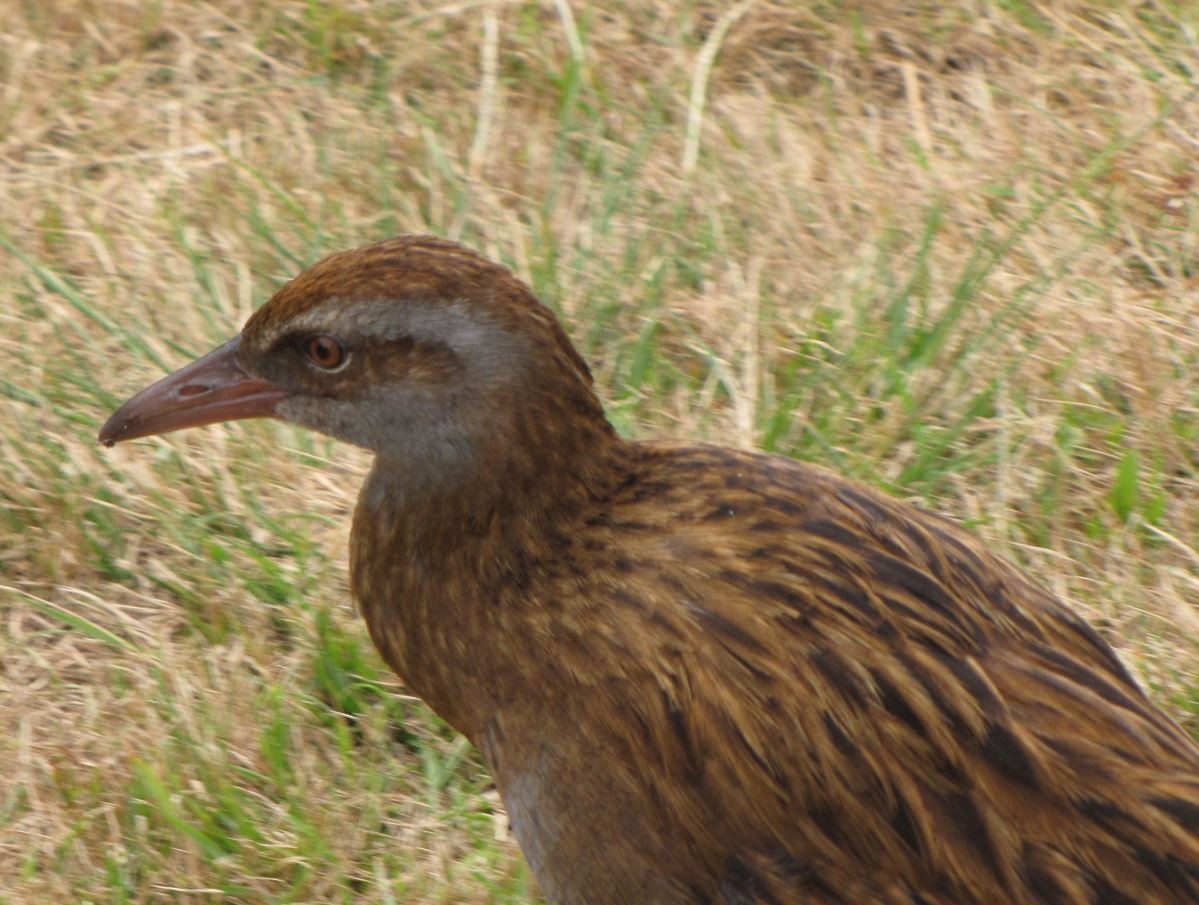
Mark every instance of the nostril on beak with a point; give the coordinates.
(191, 389)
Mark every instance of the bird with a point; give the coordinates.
(697, 674)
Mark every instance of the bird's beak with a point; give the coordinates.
(213, 388)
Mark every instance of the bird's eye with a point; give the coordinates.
(326, 352)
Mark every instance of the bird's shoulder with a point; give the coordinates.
(768, 539)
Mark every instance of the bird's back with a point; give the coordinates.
(806, 691)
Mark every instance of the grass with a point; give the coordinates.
(950, 250)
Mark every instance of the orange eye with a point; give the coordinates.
(326, 352)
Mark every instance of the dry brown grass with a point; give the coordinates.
(171, 679)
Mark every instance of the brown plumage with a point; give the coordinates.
(698, 675)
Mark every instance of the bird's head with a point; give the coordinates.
(415, 348)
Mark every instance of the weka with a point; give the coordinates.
(697, 674)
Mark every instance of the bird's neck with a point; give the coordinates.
(450, 581)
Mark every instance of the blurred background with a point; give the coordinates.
(951, 249)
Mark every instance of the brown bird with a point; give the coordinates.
(698, 675)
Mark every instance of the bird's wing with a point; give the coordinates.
(866, 688)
